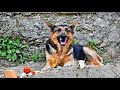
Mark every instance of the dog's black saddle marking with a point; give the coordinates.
(78, 52)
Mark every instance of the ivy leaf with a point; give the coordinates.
(9, 51)
(15, 44)
(2, 54)
(14, 56)
(13, 50)
(17, 41)
(10, 42)
(24, 53)
(17, 51)
(8, 57)
(8, 46)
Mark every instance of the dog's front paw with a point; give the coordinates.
(46, 68)
(68, 64)
(81, 64)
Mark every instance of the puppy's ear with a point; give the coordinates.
(73, 25)
(50, 25)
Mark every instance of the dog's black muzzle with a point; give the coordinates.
(63, 39)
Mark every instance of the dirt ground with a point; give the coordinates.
(110, 70)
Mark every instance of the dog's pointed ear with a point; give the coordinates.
(73, 25)
(50, 25)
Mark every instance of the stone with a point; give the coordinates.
(114, 36)
(103, 44)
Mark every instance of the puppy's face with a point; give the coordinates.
(62, 33)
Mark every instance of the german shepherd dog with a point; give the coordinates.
(60, 45)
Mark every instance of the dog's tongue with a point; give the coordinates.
(63, 43)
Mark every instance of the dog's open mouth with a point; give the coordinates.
(63, 40)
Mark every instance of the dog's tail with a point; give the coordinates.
(92, 56)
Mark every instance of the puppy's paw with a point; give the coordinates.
(46, 68)
(81, 64)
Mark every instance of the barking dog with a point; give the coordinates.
(60, 46)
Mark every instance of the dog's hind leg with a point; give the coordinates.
(92, 57)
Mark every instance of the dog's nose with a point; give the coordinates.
(63, 34)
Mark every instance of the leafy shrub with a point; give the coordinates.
(12, 49)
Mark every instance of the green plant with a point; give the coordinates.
(12, 49)
(37, 56)
(106, 61)
(78, 28)
(94, 45)
(75, 41)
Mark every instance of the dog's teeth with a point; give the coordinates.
(60, 38)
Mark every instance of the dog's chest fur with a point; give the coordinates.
(52, 49)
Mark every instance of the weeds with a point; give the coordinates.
(106, 61)
(78, 28)
(94, 45)
(75, 41)
(37, 56)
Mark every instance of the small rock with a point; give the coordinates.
(103, 44)
(90, 34)
(114, 36)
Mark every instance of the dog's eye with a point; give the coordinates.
(59, 30)
(67, 30)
